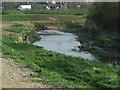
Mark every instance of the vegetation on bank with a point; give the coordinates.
(41, 17)
(82, 11)
(40, 27)
(62, 16)
(57, 69)
(71, 25)
(63, 21)
(101, 29)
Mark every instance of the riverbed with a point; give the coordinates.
(65, 43)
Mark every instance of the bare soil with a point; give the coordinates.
(15, 75)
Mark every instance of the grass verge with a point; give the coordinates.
(81, 11)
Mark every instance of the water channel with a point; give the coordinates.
(65, 43)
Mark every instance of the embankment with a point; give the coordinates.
(56, 69)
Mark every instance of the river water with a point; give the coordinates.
(61, 42)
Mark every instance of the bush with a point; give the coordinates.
(40, 27)
(71, 25)
(78, 14)
(105, 42)
(4, 13)
(33, 36)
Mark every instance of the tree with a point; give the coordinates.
(104, 15)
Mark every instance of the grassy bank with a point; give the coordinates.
(53, 19)
(57, 69)
(81, 11)
(39, 17)
(57, 21)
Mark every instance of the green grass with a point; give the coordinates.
(58, 69)
(24, 18)
(39, 17)
(81, 11)
(77, 15)
(17, 28)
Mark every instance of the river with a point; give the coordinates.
(61, 42)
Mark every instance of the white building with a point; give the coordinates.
(24, 7)
(53, 2)
(47, 7)
(57, 8)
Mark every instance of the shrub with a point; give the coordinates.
(78, 13)
(32, 36)
(4, 12)
(40, 27)
(71, 25)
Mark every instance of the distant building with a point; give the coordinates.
(57, 8)
(63, 6)
(24, 7)
(53, 2)
(48, 4)
(47, 7)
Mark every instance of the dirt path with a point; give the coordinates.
(15, 75)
